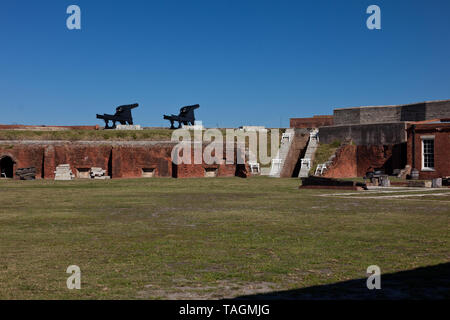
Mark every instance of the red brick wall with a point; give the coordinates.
(120, 161)
(24, 156)
(344, 164)
(388, 158)
(79, 157)
(314, 122)
(354, 161)
(198, 170)
(128, 161)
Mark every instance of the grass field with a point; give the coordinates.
(206, 238)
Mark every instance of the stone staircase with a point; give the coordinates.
(278, 161)
(309, 154)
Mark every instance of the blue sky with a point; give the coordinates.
(245, 62)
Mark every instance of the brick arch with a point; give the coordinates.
(7, 163)
(6, 154)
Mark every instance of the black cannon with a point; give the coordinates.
(375, 176)
(122, 115)
(185, 117)
(26, 173)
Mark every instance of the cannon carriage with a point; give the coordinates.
(122, 115)
(186, 116)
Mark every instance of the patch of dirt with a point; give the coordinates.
(220, 290)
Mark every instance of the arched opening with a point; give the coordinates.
(6, 167)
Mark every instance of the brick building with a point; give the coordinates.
(429, 148)
(387, 138)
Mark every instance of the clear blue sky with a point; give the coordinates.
(253, 62)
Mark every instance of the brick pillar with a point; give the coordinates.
(49, 162)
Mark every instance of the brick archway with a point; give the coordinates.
(6, 167)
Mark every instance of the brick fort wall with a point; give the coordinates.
(120, 160)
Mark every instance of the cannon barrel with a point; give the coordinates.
(106, 116)
(127, 106)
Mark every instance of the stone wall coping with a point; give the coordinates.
(84, 142)
(366, 124)
(95, 142)
(394, 105)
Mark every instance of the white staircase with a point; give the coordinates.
(278, 161)
(309, 154)
(320, 169)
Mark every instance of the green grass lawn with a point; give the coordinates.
(204, 238)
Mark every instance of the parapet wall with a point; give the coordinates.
(45, 128)
(314, 122)
(368, 134)
(383, 114)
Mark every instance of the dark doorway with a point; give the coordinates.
(110, 165)
(6, 167)
(174, 170)
(241, 171)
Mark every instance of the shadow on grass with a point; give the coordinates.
(422, 283)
